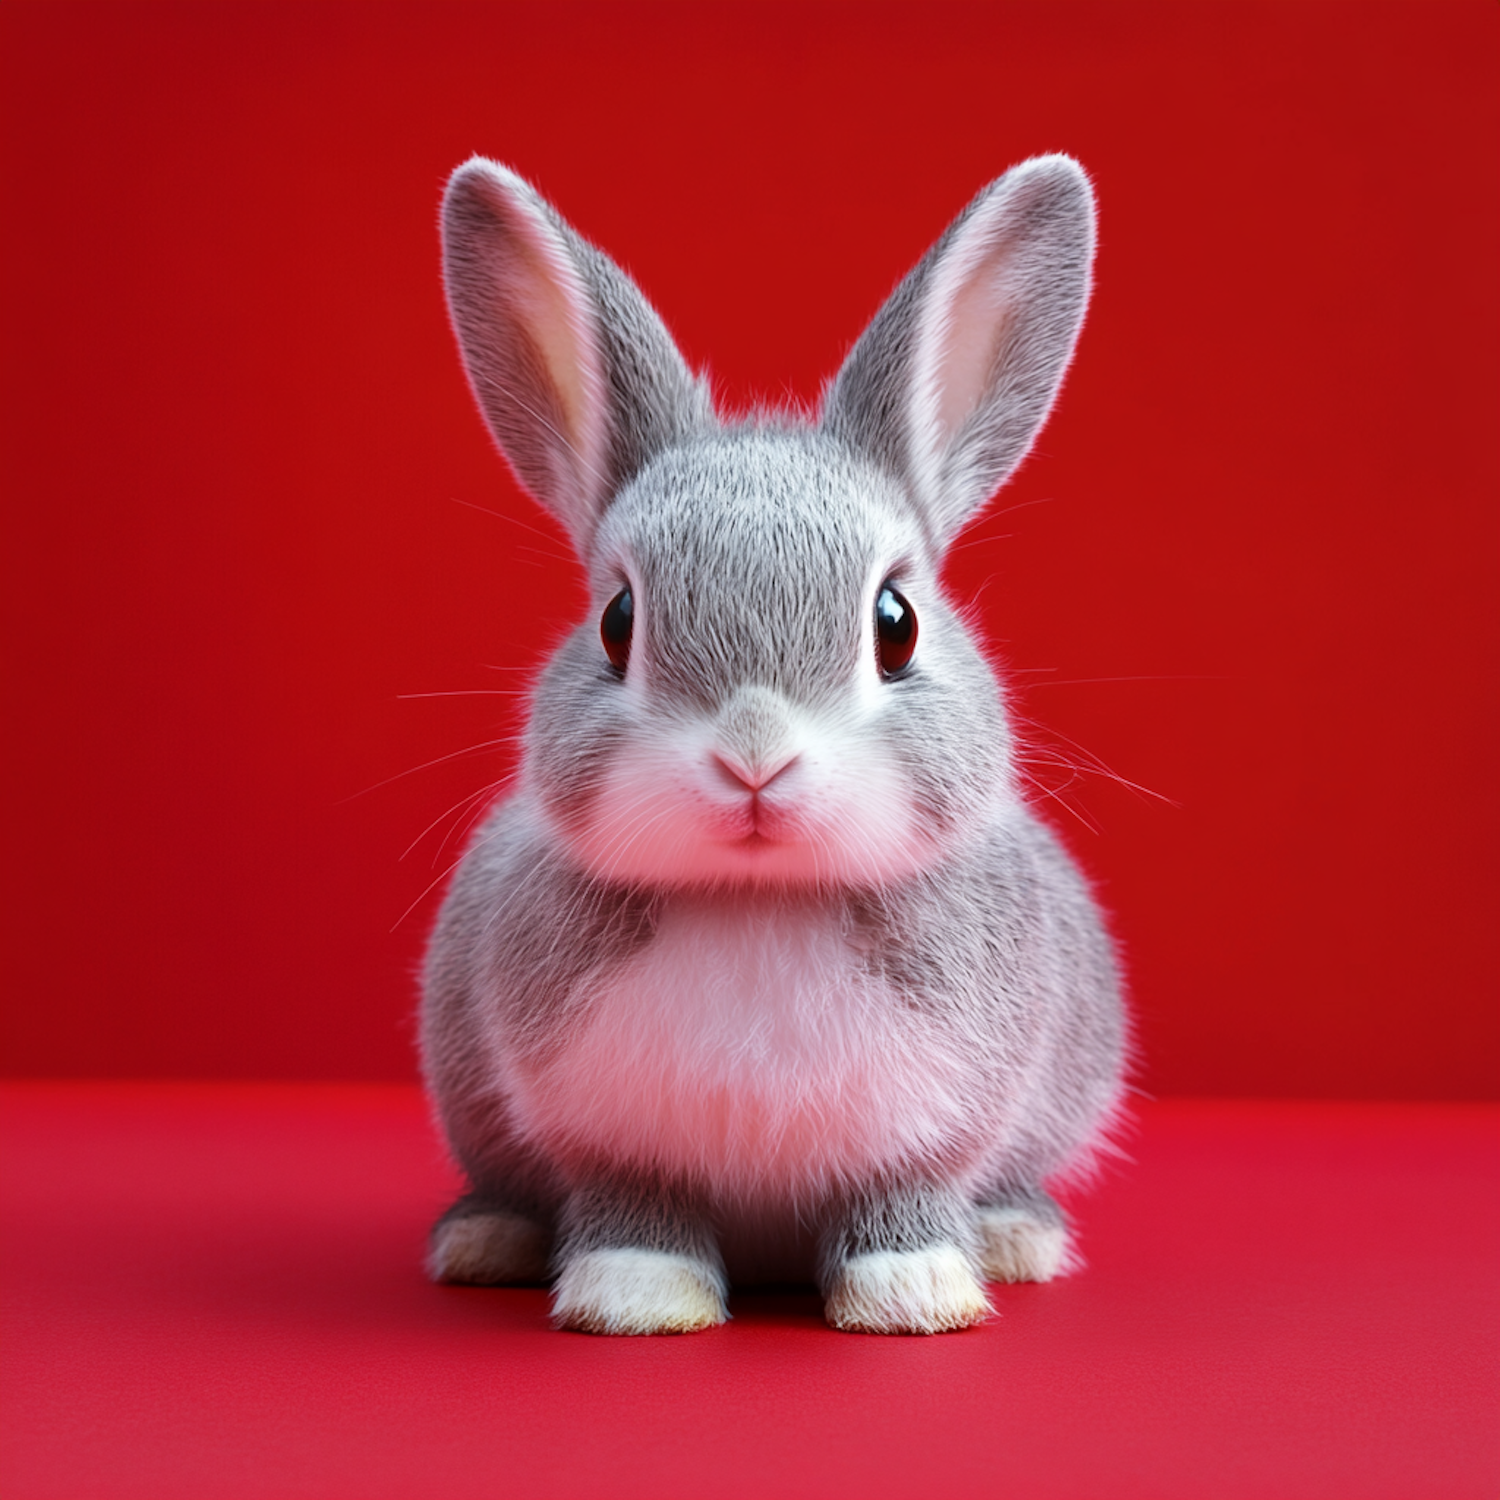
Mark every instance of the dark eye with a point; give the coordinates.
(614, 629)
(895, 631)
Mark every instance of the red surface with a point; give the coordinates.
(235, 431)
(213, 1292)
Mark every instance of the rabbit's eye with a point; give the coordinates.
(614, 629)
(895, 631)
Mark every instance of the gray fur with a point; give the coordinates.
(950, 919)
(892, 1215)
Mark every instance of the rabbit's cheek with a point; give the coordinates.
(649, 819)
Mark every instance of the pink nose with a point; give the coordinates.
(743, 778)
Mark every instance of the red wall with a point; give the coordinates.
(246, 492)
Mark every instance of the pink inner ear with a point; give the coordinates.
(978, 315)
(530, 334)
(547, 302)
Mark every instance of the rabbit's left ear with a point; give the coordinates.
(953, 379)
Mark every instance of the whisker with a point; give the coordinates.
(466, 693)
(426, 891)
(1029, 749)
(462, 802)
(994, 515)
(1084, 681)
(504, 739)
(1093, 764)
(1062, 801)
(433, 883)
(480, 810)
(504, 515)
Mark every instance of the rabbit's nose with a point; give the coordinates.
(750, 778)
(754, 739)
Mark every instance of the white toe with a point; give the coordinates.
(488, 1250)
(637, 1291)
(1016, 1246)
(907, 1291)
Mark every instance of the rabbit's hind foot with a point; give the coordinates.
(624, 1290)
(933, 1290)
(488, 1248)
(1016, 1244)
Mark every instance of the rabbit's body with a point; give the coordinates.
(772, 1048)
(765, 966)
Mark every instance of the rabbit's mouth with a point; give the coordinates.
(759, 825)
(758, 831)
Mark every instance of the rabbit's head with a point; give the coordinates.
(771, 687)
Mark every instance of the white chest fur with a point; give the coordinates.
(747, 1048)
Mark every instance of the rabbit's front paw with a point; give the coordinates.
(488, 1249)
(906, 1291)
(1015, 1245)
(637, 1291)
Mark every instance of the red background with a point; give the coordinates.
(235, 431)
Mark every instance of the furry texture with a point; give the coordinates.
(765, 968)
(476, 1246)
(637, 1291)
(907, 1291)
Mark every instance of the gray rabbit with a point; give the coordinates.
(764, 970)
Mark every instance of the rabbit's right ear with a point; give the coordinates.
(577, 378)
